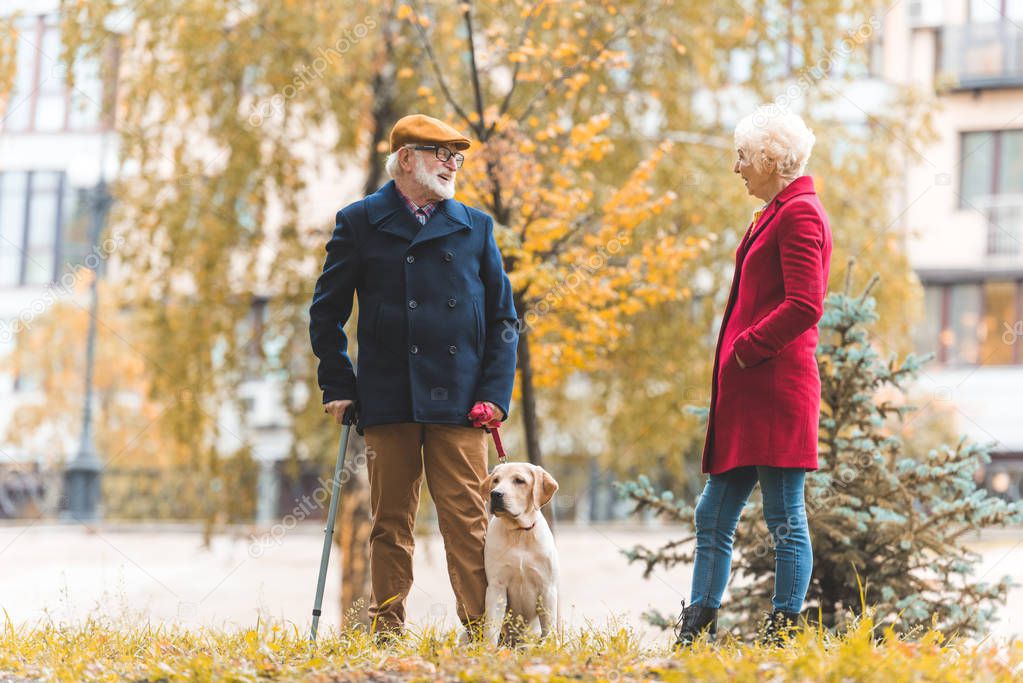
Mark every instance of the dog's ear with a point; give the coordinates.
(544, 486)
(485, 486)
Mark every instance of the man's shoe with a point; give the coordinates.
(472, 633)
(778, 627)
(694, 620)
(387, 636)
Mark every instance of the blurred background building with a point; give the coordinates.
(55, 146)
(962, 215)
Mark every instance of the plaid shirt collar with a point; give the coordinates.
(420, 213)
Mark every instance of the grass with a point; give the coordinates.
(100, 650)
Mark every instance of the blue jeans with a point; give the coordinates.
(717, 514)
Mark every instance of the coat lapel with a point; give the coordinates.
(386, 211)
(450, 216)
(801, 185)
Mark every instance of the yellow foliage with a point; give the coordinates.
(99, 650)
(51, 366)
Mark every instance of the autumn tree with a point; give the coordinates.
(144, 473)
(576, 208)
(243, 127)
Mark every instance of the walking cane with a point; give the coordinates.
(347, 420)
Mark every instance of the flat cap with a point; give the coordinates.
(422, 129)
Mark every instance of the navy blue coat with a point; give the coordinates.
(437, 324)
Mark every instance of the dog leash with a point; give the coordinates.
(501, 455)
(480, 415)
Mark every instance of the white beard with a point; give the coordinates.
(432, 182)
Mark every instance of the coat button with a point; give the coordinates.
(448, 256)
(452, 350)
(410, 259)
(413, 349)
(451, 303)
(412, 303)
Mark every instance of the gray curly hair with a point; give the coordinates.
(775, 139)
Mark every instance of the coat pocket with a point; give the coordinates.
(477, 313)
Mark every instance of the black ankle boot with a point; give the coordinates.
(778, 626)
(693, 621)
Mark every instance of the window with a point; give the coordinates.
(973, 323)
(995, 10)
(982, 11)
(13, 197)
(928, 333)
(984, 52)
(43, 227)
(925, 12)
(977, 169)
(959, 334)
(1000, 313)
(41, 100)
(991, 182)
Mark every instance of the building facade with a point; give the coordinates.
(55, 144)
(963, 213)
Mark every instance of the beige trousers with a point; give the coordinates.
(454, 460)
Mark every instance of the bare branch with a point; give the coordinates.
(436, 66)
(558, 244)
(474, 72)
(518, 65)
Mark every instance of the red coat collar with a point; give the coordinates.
(801, 185)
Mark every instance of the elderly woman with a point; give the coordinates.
(765, 395)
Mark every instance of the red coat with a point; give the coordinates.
(768, 412)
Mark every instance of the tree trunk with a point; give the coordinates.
(382, 114)
(529, 418)
(530, 421)
(354, 524)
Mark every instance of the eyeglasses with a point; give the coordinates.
(443, 154)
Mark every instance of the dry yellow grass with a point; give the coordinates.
(101, 650)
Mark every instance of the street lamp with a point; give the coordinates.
(82, 475)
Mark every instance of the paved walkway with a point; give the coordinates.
(163, 574)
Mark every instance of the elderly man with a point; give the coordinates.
(437, 335)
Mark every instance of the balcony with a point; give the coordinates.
(1005, 230)
(982, 55)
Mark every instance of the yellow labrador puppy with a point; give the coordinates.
(519, 555)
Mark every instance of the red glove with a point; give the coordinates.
(484, 414)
